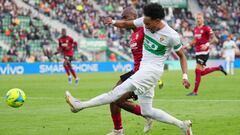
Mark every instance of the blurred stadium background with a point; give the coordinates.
(31, 27)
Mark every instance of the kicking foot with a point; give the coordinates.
(222, 70)
(116, 132)
(148, 125)
(192, 94)
(186, 128)
(72, 102)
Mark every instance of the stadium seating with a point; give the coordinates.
(84, 17)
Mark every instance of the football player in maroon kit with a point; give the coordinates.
(136, 44)
(203, 37)
(66, 48)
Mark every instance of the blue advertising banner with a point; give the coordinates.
(52, 68)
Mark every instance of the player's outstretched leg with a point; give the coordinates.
(73, 102)
(159, 115)
(222, 70)
(212, 69)
(105, 98)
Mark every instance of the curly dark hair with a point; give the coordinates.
(154, 11)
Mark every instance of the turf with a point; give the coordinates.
(215, 111)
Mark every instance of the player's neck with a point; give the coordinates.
(159, 27)
(200, 25)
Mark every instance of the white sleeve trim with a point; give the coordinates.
(138, 22)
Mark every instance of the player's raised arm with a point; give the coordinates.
(119, 23)
(124, 23)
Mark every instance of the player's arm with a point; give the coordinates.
(212, 39)
(59, 49)
(120, 23)
(177, 46)
(189, 45)
(237, 51)
(183, 63)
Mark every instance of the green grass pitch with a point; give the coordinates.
(216, 111)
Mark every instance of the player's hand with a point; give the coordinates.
(187, 46)
(107, 20)
(204, 47)
(67, 48)
(186, 83)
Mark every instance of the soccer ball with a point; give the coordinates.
(15, 97)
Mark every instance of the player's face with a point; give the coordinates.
(64, 33)
(128, 17)
(151, 24)
(199, 19)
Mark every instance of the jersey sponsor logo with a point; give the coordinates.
(198, 35)
(133, 46)
(11, 70)
(153, 46)
(64, 44)
(137, 35)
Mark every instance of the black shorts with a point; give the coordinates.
(68, 58)
(125, 76)
(202, 59)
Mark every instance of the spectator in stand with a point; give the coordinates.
(47, 50)
(12, 53)
(113, 57)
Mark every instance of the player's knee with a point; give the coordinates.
(120, 103)
(146, 112)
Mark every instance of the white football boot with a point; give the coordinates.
(73, 102)
(186, 128)
(148, 125)
(116, 132)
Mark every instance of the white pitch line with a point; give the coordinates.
(157, 99)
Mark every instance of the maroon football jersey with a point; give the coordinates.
(66, 41)
(136, 45)
(202, 36)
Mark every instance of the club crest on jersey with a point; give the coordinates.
(133, 45)
(137, 35)
(162, 38)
